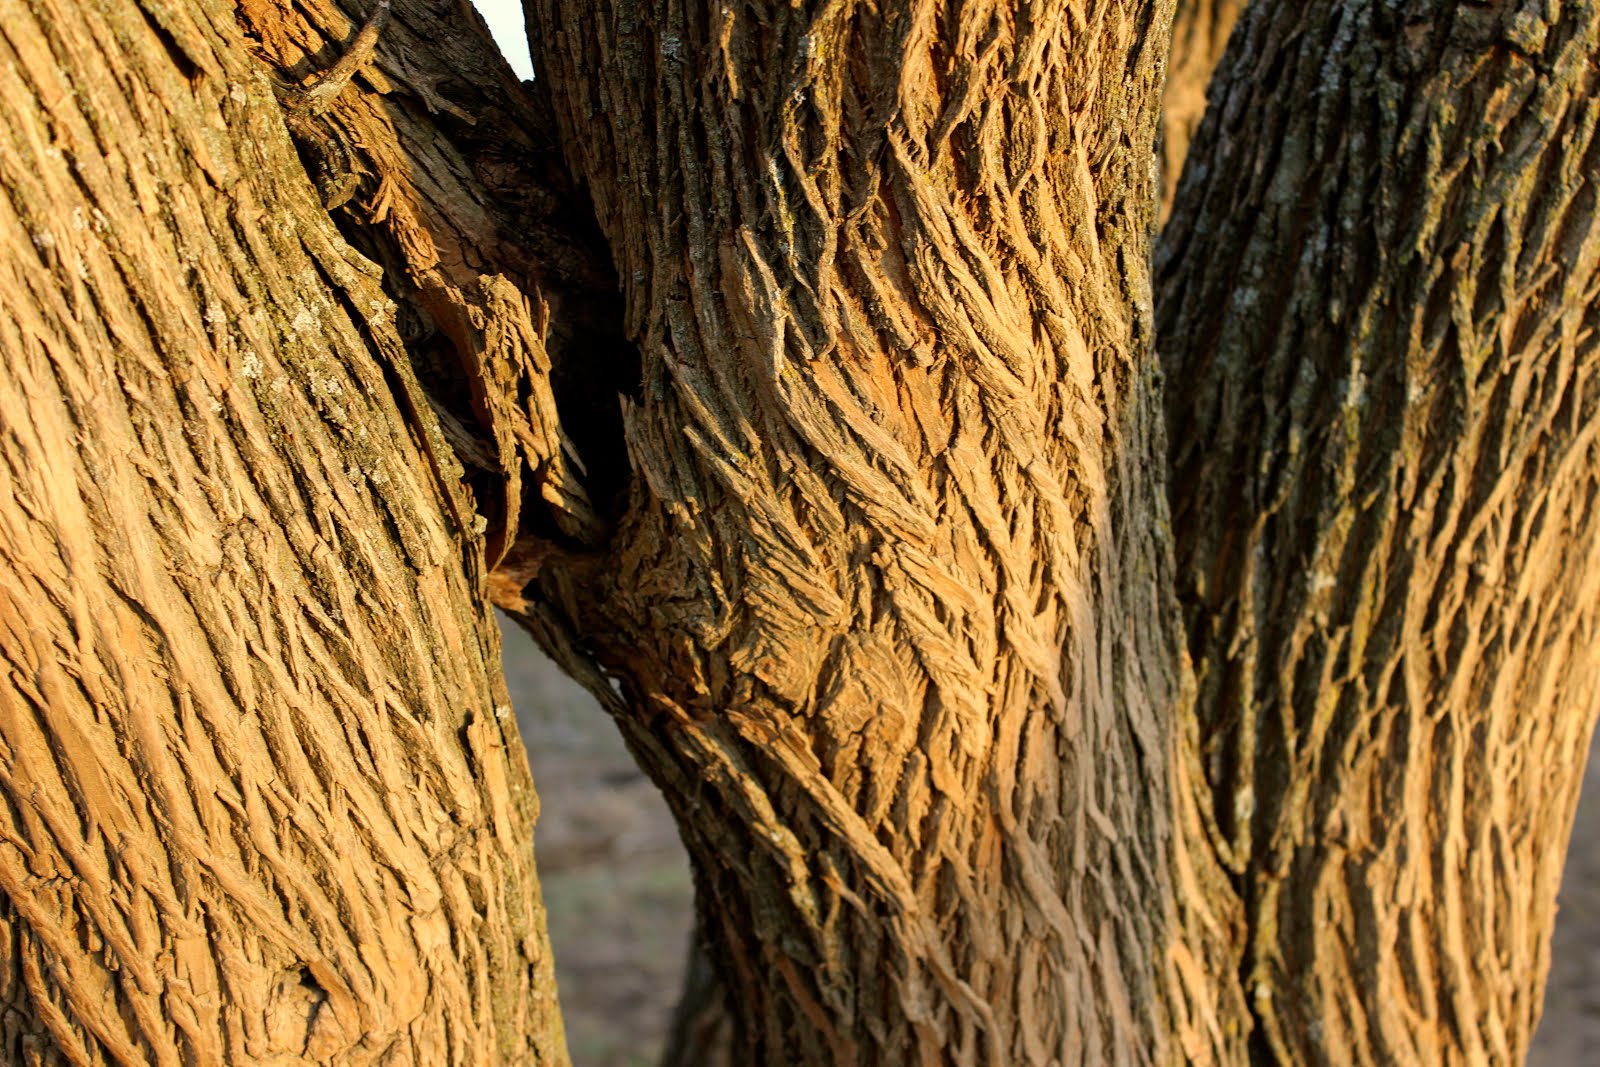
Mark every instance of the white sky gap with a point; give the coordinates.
(505, 22)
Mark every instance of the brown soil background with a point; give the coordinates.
(617, 886)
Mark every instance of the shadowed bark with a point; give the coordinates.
(1200, 30)
(1384, 422)
(702, 1026)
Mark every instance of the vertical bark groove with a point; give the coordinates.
(1384, 425)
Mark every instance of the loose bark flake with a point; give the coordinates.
(1384, 419)
(454, 191)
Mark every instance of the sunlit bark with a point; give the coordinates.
(890, 601)
(263, 799)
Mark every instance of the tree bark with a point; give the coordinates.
(890, 600)
(264, 801)
(871, 558)
(1200, 30)
(1384, 420)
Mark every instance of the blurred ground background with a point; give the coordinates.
(1569, 1035)
(615, 876)
(616, 884)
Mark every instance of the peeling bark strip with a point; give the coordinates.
(444, 182)
(1384, 421)
(892, 594)
(263, 802)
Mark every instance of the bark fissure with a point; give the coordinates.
(508, 307)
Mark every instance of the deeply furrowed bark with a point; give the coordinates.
(1200, 30)
(1384, 421)
(454, 190)
(263, 799)
(890, 600)
(889, 594)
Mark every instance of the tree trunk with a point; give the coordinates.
(702, 1027)
(872, 559)
(1200, 30)
(1384, 420)
(890, 597)
(264, 801)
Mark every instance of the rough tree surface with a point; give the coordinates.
(1384, 484)
(264, 803)
(800, 360)
(892, 593)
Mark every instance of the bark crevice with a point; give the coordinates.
(509, 308)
